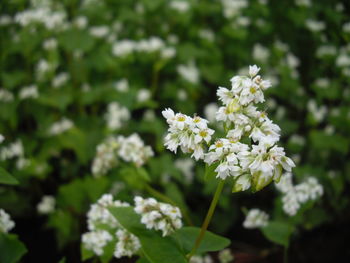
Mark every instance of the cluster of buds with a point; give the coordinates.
(157, 215)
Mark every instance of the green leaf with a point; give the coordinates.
(211, 242)
(85, 253)
(6, 178)
(210, 171)
(142, 260)
(11, 249)
(278, 232)
(156, 248)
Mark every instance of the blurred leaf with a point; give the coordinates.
(278, 232)
(6, 178)
(11, 249)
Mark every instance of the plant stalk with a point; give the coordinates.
(207, 218)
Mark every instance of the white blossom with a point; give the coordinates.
(122, 85)
(6, 224)
(60, 126)
(116, 116)
(96, 240)
(226, 256)
(29, 92)
(190, 134)
(143, 95)
(129, 149)
(293, 196)
(256, 219)
(189, 72)
(46, 205)
(127, 244)
(157, 215)
(6, 96)
(60, 80)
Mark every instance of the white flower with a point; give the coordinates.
(180, 6)
(226, 256)
(60, 127)
(256, 219)
(116, 116)
(50, 44)
(12, 150)
(158, 216)
(143, 95)
(2, 138)
(6, 96)
(46, 205)
(60, 80)
(127, 244)
(296, 195)
(123, 48)
(29, 92)
(189, 72)
(253, 71)
(99, 214)
(6, 224)
(99, 31)
(129, 149)
(190, 134)
(96, 241)
(122, 85)
(314, 25)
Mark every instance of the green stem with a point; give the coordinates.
(285, 256)
(207, 218)
(166, 199)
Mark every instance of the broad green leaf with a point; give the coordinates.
(187, 237)
(11, 249)
(278, 232)
(6, 178)
(156, 248)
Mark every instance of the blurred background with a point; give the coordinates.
(74, 72)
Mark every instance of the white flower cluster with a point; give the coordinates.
(125, 47)
(60, 127)
(127, 244)
(46, 205)
(99, 220)
(60, 80)
(157, 215)
(226, 256)
(14, 150)
(253, 165)
(129, 149)
(191, 134)
(189, 72)
(96, 241)
(6, 96)
(43, 15)
(201, 259)
(116, 115)
(29, 92)
(296, 195)
(255, 219)
(6, 224)
(233, 8)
